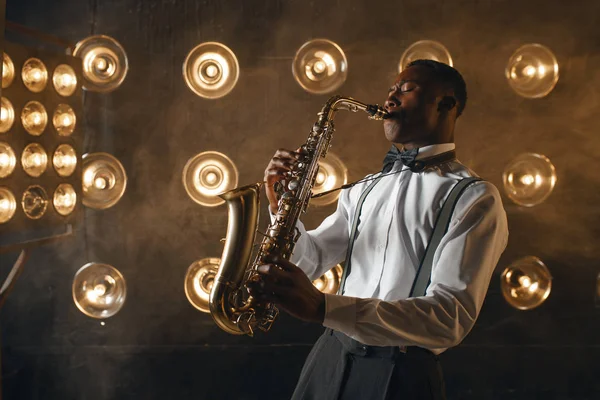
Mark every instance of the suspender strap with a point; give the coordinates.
(440, 228)
(355, 223)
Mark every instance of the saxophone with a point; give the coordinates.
(233, 309)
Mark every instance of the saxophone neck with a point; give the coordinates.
(337, 102)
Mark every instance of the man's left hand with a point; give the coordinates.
(286, 285)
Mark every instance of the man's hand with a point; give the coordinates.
(287, 286)
(282, 162)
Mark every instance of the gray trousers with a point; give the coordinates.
(340, 368)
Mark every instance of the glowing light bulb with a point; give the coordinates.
(36, 74)
(5, 68)
(100, 183)
(4, 205)
(527, 179)
(36, 160)
(3, 114)
(529, 70)
(211, 178)
(212, 71)
(541, 71)
(525, 281)
(101, 64)
(66, 80)
(320, 178)
(35, 118)
(66, 120)
(319, 66)
(4, 160)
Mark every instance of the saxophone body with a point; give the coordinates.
(231, 306)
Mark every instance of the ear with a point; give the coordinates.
(447, 103)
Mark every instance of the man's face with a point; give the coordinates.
(413, 104)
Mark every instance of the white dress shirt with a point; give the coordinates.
(396, 222)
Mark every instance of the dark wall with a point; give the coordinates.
(158, 345)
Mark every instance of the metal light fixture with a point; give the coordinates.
(526, 283)
(320, 66)
(64, 80)
(64, 120)
(7, 115)
(330, 281)
(8, 205)
(64, 199)
(104, 180)
(34, 202)
(532, 71)
(99, 290)
(211, 70)
(8, 71)
(529, 179)
(208, 174)
(34, 160)
(198, 282)
(332, 174)
(34, 75)
(425, 50)
(64, 160)
(34, 118)
(105, 63)
(8, 160)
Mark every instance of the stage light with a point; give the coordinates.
(320, 66)
(8, 160)
(105, 63)
(330, 281)
(64, 80)
(34, 160)
(425, 50)
(532, 71)
(64, 120)
(332, 174)
(211, 70)
(104, 180)
(34, 118)
(529, 179)
(7, 115)
(64, 160)
(208, 174)
(34, 202)
(526, 283)
(8, 205)
(198, 282)
(34, 75)
(8, 71)
(64, 199)
(99, 290)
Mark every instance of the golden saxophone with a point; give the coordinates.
(231, 306)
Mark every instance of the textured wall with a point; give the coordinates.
(159, 346)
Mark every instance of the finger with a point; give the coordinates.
(275, 274)
(285, 153)
(282, 263)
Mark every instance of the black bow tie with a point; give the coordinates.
(409, 159)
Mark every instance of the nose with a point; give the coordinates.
(391, 102)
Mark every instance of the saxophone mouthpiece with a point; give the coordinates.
(376, 112)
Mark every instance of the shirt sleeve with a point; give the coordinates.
(319, 250)
(462, 268)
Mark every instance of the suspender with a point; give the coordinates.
(353, 232)
(442, 223)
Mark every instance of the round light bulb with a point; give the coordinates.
(66, 120)
(320, 178)
(529, 70)
(4, 160)
(4, 205)
(212, 71)
(101, 64)
(319, 67)
(3, 114)
(100, 183)
(527, 179)
(211, 178)
(36, 74)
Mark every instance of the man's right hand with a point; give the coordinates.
(282, 162)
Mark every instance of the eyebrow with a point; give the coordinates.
(402, 82)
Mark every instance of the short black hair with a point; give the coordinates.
(449, 76)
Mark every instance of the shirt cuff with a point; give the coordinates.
(340, 313)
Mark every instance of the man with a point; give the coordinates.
(382, 342)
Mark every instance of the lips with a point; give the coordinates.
(396, 113)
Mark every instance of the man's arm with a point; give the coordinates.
(463, 266)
